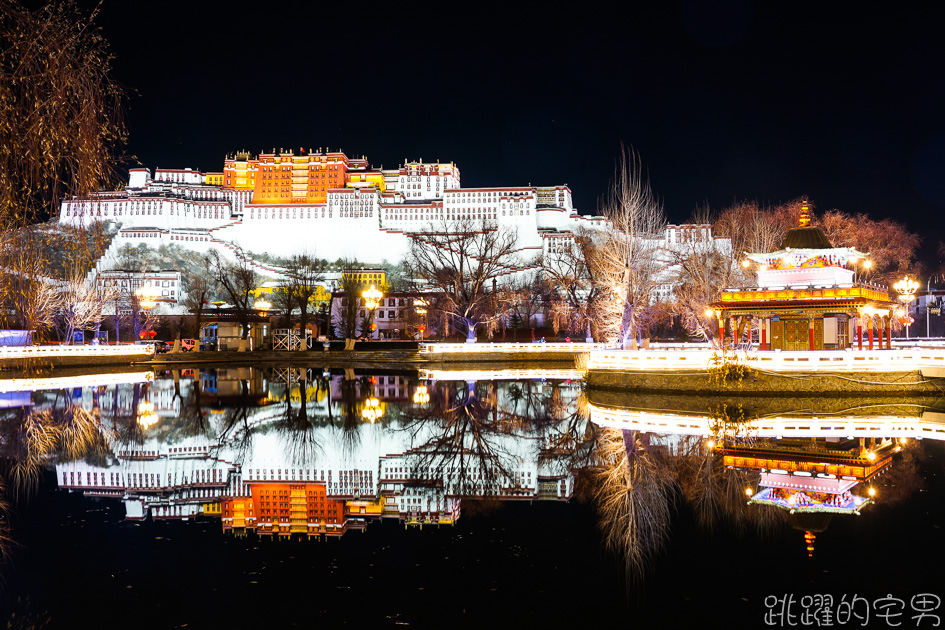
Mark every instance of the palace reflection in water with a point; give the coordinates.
(297, 453)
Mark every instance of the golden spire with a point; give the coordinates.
(809, 538)
(805, 215)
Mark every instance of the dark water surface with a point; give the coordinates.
(528, 490)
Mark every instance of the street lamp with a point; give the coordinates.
(372, 297)
(147, 299)
(906, 289)
(420, 306)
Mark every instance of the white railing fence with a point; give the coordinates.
(25, 352)
(826, 361)
(474, 348)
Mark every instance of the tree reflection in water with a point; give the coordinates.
(716, 494)
(296, 426)
(634, 489)
(458, 437)
(466, 440)
(62, 431)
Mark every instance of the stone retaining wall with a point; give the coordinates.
(397, 357)
(767, 383)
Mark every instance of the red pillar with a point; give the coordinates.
(889, 333)
(764, 333)
(721, 332)
(810, 334)
(870, 328)
(859, 333)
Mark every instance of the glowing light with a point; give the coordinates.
(710, 444)
(147, 296)
(709, 312)
(372, 409)
(871, 456)
(867, 263)
(745, 264)
(146, 416)
(749, 492)
(906, 289)
(372, 297)
(872, 491)
(262, 305)
(421, 396)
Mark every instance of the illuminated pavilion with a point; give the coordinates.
(807, 297)
(811, 478)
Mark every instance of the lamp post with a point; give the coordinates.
(147, 299)
(372, 297)
(420, 306)
(906, 289)
(865, 263)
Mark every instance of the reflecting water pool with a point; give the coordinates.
(233, 497)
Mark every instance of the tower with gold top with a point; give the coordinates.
(806, 298)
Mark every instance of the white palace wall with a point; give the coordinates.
(360, 223)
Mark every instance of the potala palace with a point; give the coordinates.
(321, 202)
(328, 204)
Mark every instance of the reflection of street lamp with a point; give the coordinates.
(372, 297)
(421, 396)
(262, 305)
(372, 409)
(146, 414)
(906, 289)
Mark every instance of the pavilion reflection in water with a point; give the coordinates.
(314, 452)
(311, 452)
(811, 464)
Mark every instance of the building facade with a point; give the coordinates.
(324, 200)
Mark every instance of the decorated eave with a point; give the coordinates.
(805, 298)
(800, 501)
(790, 258)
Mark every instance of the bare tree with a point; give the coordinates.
(630, 260)
(60, 111)
(350, 323)
(573, 271)
(238, 280)
(701, 268)
(199, 289)
(82, 301)
(305, 273)
(463, 262)
(523, 297)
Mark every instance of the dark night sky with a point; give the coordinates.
(723, 100)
